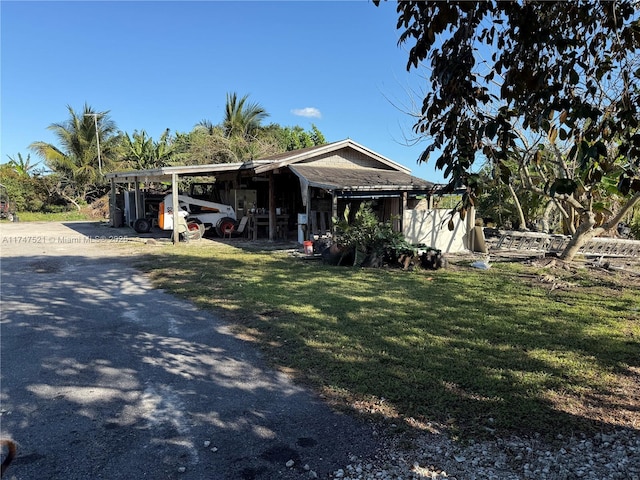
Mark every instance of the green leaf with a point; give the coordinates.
(491, 129)
(563, 186)
(562, 133)
(624, 185)
(505, 173)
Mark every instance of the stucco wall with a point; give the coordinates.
(429, 227)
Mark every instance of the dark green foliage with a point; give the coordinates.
(368, 241)
(139, 151)
(29, 189)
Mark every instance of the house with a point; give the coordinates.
(297, 194)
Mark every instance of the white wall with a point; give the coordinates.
(429, 227)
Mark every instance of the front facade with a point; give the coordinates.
(297, 194)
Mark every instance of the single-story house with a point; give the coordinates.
(296, 193)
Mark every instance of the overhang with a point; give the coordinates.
(359, 179)
(164, 174)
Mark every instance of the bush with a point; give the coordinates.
(366, 241)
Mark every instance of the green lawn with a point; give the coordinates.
(477, 351)
(53, 217)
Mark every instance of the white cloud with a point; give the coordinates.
(310, 112)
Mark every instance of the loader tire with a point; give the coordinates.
(225, 225)
(142, 225)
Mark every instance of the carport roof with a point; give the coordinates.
(164, 174)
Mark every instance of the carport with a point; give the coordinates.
(165, 175)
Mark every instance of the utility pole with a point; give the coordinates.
(95, 120)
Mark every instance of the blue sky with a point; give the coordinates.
(158, 65)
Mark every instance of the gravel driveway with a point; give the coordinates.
(105, 377)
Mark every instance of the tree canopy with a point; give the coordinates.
(140, 151)
(503, 74)
(241, 118)
(89, 145)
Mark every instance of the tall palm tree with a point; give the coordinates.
(77, 161)
(242, 119)
(236, 138)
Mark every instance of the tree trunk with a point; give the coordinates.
(586, 230)
(583, 233)
(546, 217)
(516, 201)
(69, 199)
(568, 221)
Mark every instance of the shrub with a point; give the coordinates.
(366, 241)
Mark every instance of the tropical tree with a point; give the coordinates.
(78, 165)
(567, 71)
(242, 119)
(210, 145)
(141, 152)
(241, 136)
(296, 137)
(22, 166)
(27, 187)
(236, 138)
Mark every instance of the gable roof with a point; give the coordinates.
(314, 166)
(304, 154)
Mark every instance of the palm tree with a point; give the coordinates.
(241, 119)
(236, 138)
(207, 127)
(77, 161)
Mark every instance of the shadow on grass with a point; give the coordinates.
(481, 352)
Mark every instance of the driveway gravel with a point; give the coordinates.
(105, 377)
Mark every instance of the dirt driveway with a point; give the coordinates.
(105, 377)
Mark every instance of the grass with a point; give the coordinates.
(53, 217)
(477, 352)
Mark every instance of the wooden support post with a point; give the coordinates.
(334, 211)
(175, 207)
(112, 204)
(403, 208)
(307, 233)
(272, 208)
(139, 209)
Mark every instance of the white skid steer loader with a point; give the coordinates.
(196, 216)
